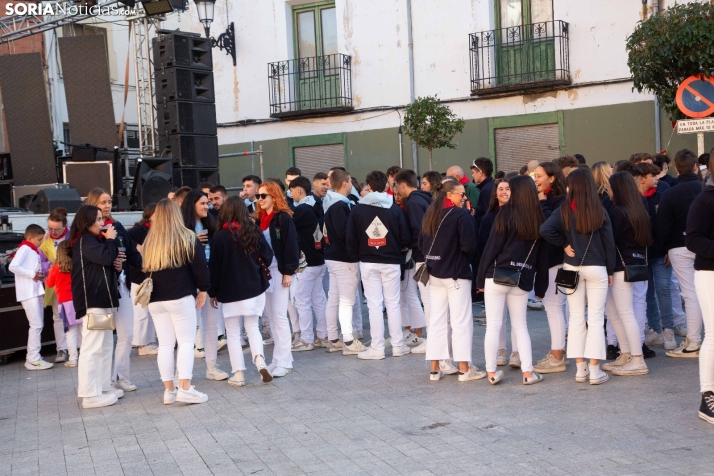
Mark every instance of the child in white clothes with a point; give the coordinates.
(30, 292)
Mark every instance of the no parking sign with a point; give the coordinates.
(695, 96)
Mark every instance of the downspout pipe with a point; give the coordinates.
(412, 96)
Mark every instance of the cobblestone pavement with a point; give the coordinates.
(339, 415)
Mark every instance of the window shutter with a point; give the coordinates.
(321, 158)
(516, 146)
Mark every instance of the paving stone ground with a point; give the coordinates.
(340, 415)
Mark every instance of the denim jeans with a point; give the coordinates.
(659, 297)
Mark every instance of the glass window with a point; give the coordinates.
(541, 11)
(511, 13)
(307, 47)
(328, 20)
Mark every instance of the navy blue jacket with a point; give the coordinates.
(484, 231)
(319, 210)
(555, 253)
(624, 236)
(669, 180)
(484, 199)
(133, 257)
(415, 209)
(284, 241)
(656, 249)
(455, 244)
(99, 256)
(176, 283)
(307, 223)
(364, 247)
(700, 230)
(138, 235)
(336, 219)
(674, 209)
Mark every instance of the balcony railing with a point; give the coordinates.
(310, 86)
(517, 58)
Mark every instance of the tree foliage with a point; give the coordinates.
(431, 124)
(667, 48)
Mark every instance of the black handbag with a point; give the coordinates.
(567, 278)
(635, 273)
(507, 276)
(421, 275)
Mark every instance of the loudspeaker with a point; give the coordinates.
(48, 199)
(84, 176)
(184, 177)
(193, 151)
(154, 180)
(178, 49)
(84, 153)
(175, 84)
(183, 117)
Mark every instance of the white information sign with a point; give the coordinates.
(695, 126)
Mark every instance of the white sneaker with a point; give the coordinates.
(199, 353)
(238, 379)
(355, 348)
(535, 305)
(71, 363)
(681, 330)
(670, 343)
(635, 366)
(265, 374)
(435, 376)
(597, 376)
(515, 360)
(501, 357)
(333, 346)
(103, 400)
(148, 349)
(496, 378)
(621, 360)
(265, 332)
(125, 385)
(279, 371)
(191, 396)
(319, 342)
(686, 349)
(420, 349)
(214, 372)
(169, 396)
(268, 341)
(371, 354)
(400, 351)
(582, 375)
(549, 365)
(222, 343)
(302, 346)
(411, 339)
(115, 391)
(474, 373)
(40, 365)
(295, 338)
(653, 338)
(447, 367)
(536, 378)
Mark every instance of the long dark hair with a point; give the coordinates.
(247, 235)
(493, 201)
(188, 211)
(146, 215)
(85, 217)
(523, 211)
(627, 197)
(434, 179)
(582, 193)
(558, 187)
(432, 217)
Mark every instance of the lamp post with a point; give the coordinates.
(226, 40)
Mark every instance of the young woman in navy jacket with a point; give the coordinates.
(700, 241)
(632, 232)
(448, 242)
(241, 256)
(513, 245)
(275, 220)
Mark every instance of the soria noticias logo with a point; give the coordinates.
(65, 8)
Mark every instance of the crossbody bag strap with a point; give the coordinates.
(111, 301)
(436, 234)
(495, 262)
(84, 281)
(586, 249)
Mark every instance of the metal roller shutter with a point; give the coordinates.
(320, 158)
(516, 146)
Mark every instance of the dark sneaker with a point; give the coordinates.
(706, 410)
(647, 353)
(613, 352)
(62, 356)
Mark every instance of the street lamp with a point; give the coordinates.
(226, 40)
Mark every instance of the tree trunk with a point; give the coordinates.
(431, 167)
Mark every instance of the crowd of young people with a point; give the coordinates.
(604, 248)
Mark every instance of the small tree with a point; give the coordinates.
(431, 125)
(667, 48)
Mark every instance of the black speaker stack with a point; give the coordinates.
(186, 107)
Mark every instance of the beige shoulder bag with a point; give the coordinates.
(143, 292)
(102, 321)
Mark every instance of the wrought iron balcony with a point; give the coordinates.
(310, 86)
(519, 58)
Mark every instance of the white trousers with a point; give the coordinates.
(502, 333)
(450, 310)
(35, 312)
(496, 298)
(74, 340)
(588, 341)
(683, 266)
(124, 321)
(144, 331)
(255, 339)
(425, 299)
(175, 322)
(357, 324)
(381, 288)
(412, 312)
(60, 338)
(94, 369)
(276, 308)
(639, 306)
(209, 319)
(679, 316)
(704, 283)
(554, 305)
(309, 297)
(344, 281)
(621, 314)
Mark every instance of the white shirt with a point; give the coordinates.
(25, 265)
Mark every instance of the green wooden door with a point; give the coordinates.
(316, 51)
(525, 47)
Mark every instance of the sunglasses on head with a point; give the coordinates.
(476, 167)
(262, 196)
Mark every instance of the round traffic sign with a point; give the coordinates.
(695, 96)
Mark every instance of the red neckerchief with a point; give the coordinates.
(389, 191)
(64, 233)
(147, 224)
(650, 192)
(547, 191)
(265, 220)
(448, 203)
(572, 205)
(463, 180)
(30, 245)
(234, 224)
(108, 222)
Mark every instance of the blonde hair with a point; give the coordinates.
(601, 173)
(93, 198)
(64, 260)
(169, 243)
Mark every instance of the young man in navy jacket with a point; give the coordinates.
(377, 237)
(670, 232)
(309, 294)
(343, 270)
(416, 202)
